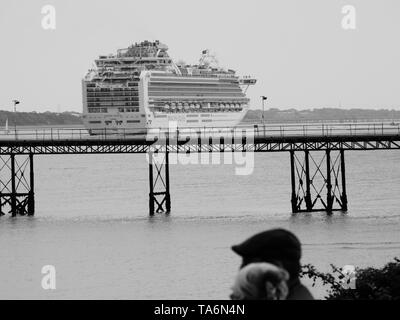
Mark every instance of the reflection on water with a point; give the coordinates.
(92, 224)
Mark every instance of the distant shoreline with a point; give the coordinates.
(48, 126)
(327, 115)
(305, 121)
(42, 119)
(322, 115)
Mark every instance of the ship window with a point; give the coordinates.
(121, 109)
(94, 110)
(94, 121)
(131, 109)
(133, 121)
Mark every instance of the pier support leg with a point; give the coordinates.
(13, 194)
(151, 184)
(307, 199)
(17, 185)
(343, 174)
(294, 200)
(31, 196)
(312, 176)
(329, 197)
(159, 195)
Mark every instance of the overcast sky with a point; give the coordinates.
(298, 50)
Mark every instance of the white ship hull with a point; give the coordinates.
(162, 122)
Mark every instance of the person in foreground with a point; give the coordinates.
(270, 268)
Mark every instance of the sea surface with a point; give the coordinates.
(92, 224)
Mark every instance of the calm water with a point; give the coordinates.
(92, 224)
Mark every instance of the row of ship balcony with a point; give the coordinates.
(112, 104)
(120, 90)
(195, 89)
(112, 95)
(91, 99)
(199, 75)
(131, 86)
(208, 107)
(195, 71)
(128, 74)
(105, 110)
(193, 95)
(116, 75)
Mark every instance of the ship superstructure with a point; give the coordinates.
(141, 87)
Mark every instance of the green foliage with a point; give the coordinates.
(371, 283)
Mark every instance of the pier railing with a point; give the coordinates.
(259, 131)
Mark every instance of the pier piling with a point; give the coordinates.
(17, 184)
(159, 195)
(309, 180)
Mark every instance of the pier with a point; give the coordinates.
(316, 157)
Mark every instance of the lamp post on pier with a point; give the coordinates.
(15, 116)
(263, 98)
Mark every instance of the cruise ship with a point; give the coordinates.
(141, 88)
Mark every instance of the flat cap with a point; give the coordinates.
(277, 244)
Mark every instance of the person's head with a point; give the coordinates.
(260, 281)
(277, 246)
